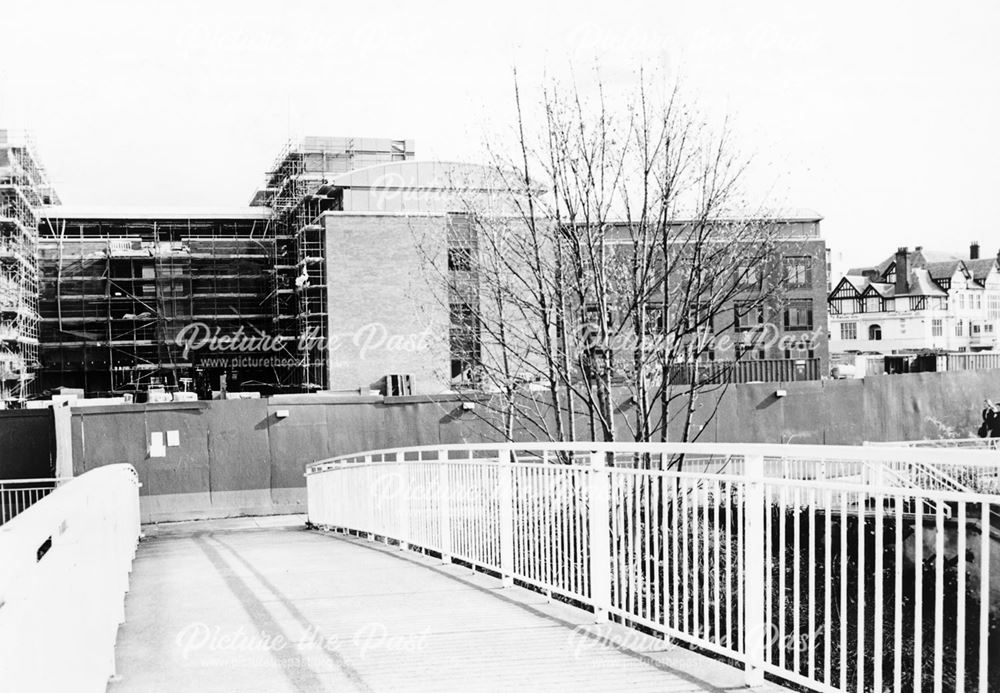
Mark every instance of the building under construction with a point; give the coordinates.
(24, 188)
(296, 192)
(120, 286)
(133, 299)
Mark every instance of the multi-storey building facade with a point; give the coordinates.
(918, 301)
(119, 286)
(325, 282)
(390, 323)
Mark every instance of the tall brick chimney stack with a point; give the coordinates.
(902, 272)
(974, 250)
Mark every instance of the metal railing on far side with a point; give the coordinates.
(829, 567)
(17, 495)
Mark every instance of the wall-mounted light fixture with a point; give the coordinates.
(781, 393)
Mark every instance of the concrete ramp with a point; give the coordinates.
(263, 604)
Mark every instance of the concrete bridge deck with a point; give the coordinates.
(266, 605)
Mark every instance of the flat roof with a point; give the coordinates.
(137, 212)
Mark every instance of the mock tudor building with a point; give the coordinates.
(920, 300)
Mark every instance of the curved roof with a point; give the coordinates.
(425, 187)
(425, 175)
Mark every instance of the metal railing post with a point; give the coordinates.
(373, 499)
(444, 505)
(404, 505)
(599, 519)
(506, 513)
(755, 619)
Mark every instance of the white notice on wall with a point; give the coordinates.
(173, 438)
(156, 446)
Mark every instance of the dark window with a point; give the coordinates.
(798, 271)
(459, 259)
(748, 277)
(464, 340)
(700, 318)
(799, 314)
(654, 319)
(875, 332)
(748, 316)
(747, 352)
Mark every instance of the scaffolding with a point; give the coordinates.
(297, 191)
(117, 288)
(24, 187)
(117, 292)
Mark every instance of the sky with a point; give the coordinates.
(883, 117)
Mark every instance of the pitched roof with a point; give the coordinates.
(921, 284)
(858, 282)
(981, 267)
(943, 269)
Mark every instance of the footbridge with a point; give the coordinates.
(532, 566)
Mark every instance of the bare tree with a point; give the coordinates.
(622, 247)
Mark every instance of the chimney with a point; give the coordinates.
(902, 272)
(974, 250)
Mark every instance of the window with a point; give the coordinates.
(875, 333)
(993, 307)
(798, 271)
(937, 327)
(799, 314)
(961, 301)
(464, 340)
(654, 319)
(848, 330)
(979, 301)
(802, 350)
(747, 352)
(958, 328)
(748, 316)
(748, 277)
(459, 259)
(700, 317)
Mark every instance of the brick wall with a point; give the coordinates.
(388, 311)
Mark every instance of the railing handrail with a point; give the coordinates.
(867, 453)
(831, 483)
(980, 442)
(43, 480)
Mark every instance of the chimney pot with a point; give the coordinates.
(974, 250)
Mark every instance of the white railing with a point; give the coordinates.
(800, 562)
(982, 476)
(17, 495)
(64, 566)
(973, 443)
